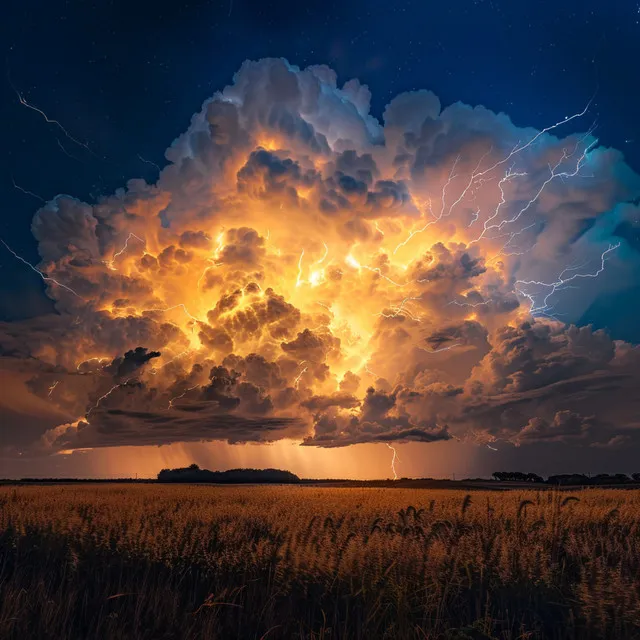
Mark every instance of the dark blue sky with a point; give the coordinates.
(126, 77)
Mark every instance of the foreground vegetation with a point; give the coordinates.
(166, 561)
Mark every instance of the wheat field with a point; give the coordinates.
(166, 561)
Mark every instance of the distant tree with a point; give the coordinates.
(606, 478)
(516, 476)
(636, 477)
(193, 473)
(569, 479)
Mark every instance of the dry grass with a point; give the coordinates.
(302, 562)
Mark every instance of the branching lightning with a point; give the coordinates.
(44, 278)
(296, 382)
(553, 174)
(400, 310)
(479, 177)
(106, 395)
(559, 284)
(488, 188)
(110, 263)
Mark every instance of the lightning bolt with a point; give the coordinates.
(507, 176)
(447, 183)
(560, 283)
(66, 153)
(519, 148)
(124, 248)
(443, 196)
(472, 179)
(371, 373)
(553, 174)
(176, 306)
(153, 164)
(52, 387)
(299, 279)
(100, 360)
(26, 191)
(389, 280)
(182, 395)
(470, 304)
(195, 321)
(393, 461)
(44, 278)
(220, 246)
(49, 120)
(296, 382)
(478, 177)
(441, 349)
(106, 395)
(352, 262)
(513, 235)
(216, 257)
(204, 273)
(417, 231)
(400, 310)
(326, 253)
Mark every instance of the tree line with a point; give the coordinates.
(567, 478)
(194, 473)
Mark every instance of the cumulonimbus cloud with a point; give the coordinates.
(302, 270)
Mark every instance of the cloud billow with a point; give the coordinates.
(301, 270)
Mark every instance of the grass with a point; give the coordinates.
(155, 562)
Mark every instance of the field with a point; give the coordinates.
(166, 561)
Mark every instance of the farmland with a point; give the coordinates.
(167, 561)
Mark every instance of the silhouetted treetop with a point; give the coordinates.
(193, 473)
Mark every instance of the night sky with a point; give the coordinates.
(124, 79)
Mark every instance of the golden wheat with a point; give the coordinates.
(158, 561)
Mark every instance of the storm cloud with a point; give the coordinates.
(302, 270)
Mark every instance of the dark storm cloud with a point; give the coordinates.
(456, 266)
(469, 332)
(191, 423)
(131, 361)
(566, 426)
(381, 419)
(547, 383)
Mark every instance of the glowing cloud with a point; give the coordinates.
(294, 245)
